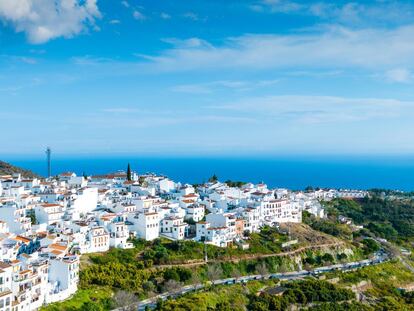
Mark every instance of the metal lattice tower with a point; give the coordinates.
(49, 164)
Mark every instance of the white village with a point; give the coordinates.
(47, 224)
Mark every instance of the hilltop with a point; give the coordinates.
(8, 169)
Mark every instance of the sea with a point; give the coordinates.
(293, 172)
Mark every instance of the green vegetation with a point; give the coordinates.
(85, 299)
(146, 269)
(389, 274)
(223, 298)
(380, 291)
(8, 169)
(213, 178)
(249, 296)
(32, 215)
(345, 306)
(301, 293)
(325, 259)
(383, 283)
(236, 184)
(131, 277)
(329, 226)
(133, 270)
(164, 252)
(392, 219)
(129, 173)
(370, 246)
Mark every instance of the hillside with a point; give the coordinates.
(8, 169)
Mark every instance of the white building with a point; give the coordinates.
(173, 227)
(145, 225)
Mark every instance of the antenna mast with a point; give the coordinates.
(49, 164)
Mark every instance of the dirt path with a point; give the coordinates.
(252, 256)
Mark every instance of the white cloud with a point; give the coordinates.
(192, 88)
(120, 110)
(164, 15)
(332, 47)
(277, 6)
(319, 109)
(346, 13)
(29, 60)
(280, 6)
(49, 19)
(125, 4)
(138, 15)
(400, 75)
(188, 43)
(209, 87)
(16, 58)
(88, 60)
(353, 13)
(114, 21)
(191, 15)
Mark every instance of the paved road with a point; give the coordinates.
(378, 258)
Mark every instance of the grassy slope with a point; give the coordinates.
(8, 169)
(95, 294)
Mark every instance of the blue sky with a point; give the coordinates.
(191, 77)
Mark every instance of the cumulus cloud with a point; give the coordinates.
(43, 20)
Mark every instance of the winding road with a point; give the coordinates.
(294, 275)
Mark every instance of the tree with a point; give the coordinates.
(235, 273)
(341, 257)
(172, 286)
(261, 268)
(196, 279)
(370, 246)
(283, 268)
(129, 174)
(328, 258)
(223, 306)
(148, 287)
(91, 306)
(309, 189)
(32, 216)
(213, 178)
(214, 272)
(125, 301)
(171, 274)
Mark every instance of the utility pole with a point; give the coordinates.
(49, 164)
(205, 252)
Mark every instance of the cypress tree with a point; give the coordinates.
(129, 174)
